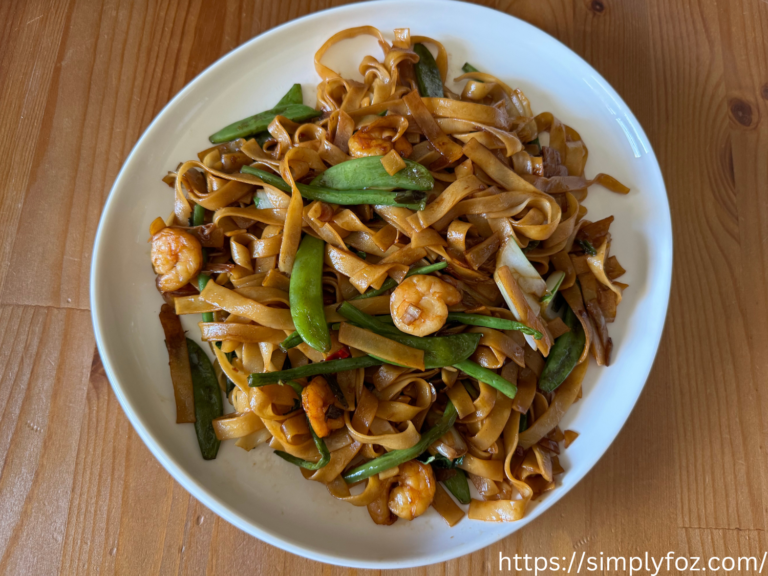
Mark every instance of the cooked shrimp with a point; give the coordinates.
(414, 492)
(363, 143)
(419, 306)
(177, 257)
(377, 142)
(317, 399)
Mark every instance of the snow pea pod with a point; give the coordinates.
(564, 355)
(491, 322)
(369, 172)
(390, 283)
(458, 486)
(427, 74)
(260, 122)
(293, 96)
(484, 375)
(397, 457)
(305, 294)
(411, 199)
(439, 351)
(329, 367)
(467, 68)
(208, 405)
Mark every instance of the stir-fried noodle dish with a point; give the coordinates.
(400, 287)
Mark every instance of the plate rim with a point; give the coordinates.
(211, 501)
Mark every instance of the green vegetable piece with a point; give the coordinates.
(305, 294)
(427, 74)
(564, 355)
(202, 280)
(369, 172)
(293, 96)
(523, 423)
(532, 245)
(586, 245)
(458, 486)
(208, 404)
(491, 322)
(260, 122)
(198, 215)
(439, 351)
(553, 285)
(467, 68)
(411, 199)
(291, 342)
(329, 367)
(484, 375)
(397, 457)
(390, 283)
(471, 390)
(325, 454)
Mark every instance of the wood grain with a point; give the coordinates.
(79, 82)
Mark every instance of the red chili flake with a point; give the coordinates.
(339, 354)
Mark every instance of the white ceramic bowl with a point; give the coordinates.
(260, 493)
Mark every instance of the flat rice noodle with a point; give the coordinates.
(562, 262)
(484, 403)
(461, 400)
(295, 213)
(470, 111)
(232, 426)
(265, 247)
(339, 489)
(589, 292)
(446, 507)
(235, 303)
(326, 73)
(485, 487)
(397, 217)
(498, 340)
(381, 347)
(373, 306)
(596, 264)
(480, 253)
(486, 160)
(493, 425)
(457, 127)
(405, 257)
(491, 469)
(557, 327)
(457, 235)
(573, 297)
(450, 151)
(399, 441)
(499, 205)
(387, 374)
(237, 377)
(218, 331)
(565, 395)
(362, 274)
(570, 437)
(392, 410)
(209, 235)
(178, 360)
(447, 199)
(427, 237)
(271, 216)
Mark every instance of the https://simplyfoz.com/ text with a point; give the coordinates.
(647, 564)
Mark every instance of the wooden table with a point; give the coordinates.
(79, 82)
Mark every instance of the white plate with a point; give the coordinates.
(257, 491)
